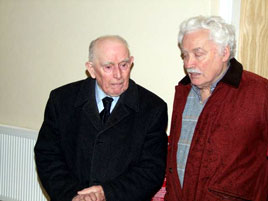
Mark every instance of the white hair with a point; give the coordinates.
(221, 33)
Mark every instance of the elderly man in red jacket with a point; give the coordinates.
(219, 131)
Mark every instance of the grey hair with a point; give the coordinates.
(93, 43)
(221, 33)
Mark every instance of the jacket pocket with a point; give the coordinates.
(228, 196)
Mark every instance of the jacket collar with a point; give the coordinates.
(130, 97)
(87, 94)
(232, 76)
(127, 103)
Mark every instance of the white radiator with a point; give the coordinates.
(18, 177)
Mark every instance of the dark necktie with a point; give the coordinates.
(105, 113)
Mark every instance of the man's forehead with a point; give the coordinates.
(196, 49)
(113, 63)
(196, 35)
(197, 44)
(201, 47)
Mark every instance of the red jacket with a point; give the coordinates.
(228, 154)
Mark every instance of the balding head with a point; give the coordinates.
(95, 43)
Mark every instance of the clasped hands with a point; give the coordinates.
(93, 193)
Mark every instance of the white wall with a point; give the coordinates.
(44, 44)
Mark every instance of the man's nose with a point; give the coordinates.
(117, 73)
(189, 61)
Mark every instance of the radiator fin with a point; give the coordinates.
(18, 178)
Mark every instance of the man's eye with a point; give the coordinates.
(124, 64)
(199, 55)
(107, 67)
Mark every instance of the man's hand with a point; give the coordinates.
(78, 198)
(94, 193)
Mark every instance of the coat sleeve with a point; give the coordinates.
(54, 175)
(142, 180)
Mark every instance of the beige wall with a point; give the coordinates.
(44, 44)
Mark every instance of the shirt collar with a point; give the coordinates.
(213, 86)
(232, 77)
(100, 94)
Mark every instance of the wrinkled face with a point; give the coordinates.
(111, 66)
(203, 61)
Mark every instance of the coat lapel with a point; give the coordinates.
(86, 99)
(126, 105)
(180, 101)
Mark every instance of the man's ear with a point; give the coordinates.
(226, 54)
(90, 69)
(131, 61)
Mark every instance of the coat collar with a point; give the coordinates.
(130, 97)
(127, 103)
(232, 76)
(87, 93)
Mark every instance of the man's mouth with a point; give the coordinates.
(117, 84)
(194, 75)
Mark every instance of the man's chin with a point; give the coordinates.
(197, 84)
(117, 92)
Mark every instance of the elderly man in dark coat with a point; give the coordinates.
(103, 138)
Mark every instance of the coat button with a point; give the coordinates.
(170, 170)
